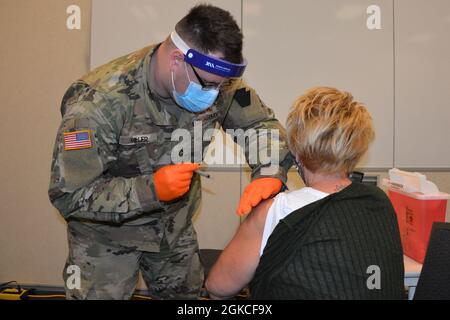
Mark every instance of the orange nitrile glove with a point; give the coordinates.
(257, 190)
(174, 180)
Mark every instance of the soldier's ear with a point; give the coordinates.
(176, 58)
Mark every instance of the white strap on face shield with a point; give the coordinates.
(178, 42)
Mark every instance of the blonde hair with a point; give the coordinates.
(328, 131)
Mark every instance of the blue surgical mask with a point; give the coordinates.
(195, 98)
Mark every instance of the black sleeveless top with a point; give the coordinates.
(345, 246)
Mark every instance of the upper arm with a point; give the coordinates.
(76, 167)
(237, 263)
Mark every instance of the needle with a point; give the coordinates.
(203, 174)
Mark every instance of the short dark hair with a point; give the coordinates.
(209, 28)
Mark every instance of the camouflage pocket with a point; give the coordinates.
(144, 153)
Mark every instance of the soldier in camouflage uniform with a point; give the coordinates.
(115, 136)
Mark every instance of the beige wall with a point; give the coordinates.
(39, 58)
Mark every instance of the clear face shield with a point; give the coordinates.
(202, 95)
(206, 62)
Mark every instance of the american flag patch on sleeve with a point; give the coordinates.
(77, 140)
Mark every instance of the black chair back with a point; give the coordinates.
(434, 281)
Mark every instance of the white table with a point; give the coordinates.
(412, 273)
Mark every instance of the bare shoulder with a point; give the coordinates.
(257, 218)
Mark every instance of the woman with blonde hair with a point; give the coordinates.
(332, 239)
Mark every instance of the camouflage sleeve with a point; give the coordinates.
(80, 185)
(260, 134)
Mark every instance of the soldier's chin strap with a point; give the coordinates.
(208, 63)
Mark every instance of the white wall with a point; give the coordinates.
(422, 108)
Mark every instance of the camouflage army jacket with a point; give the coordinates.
(114, 135)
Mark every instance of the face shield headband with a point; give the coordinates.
(208, 63)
